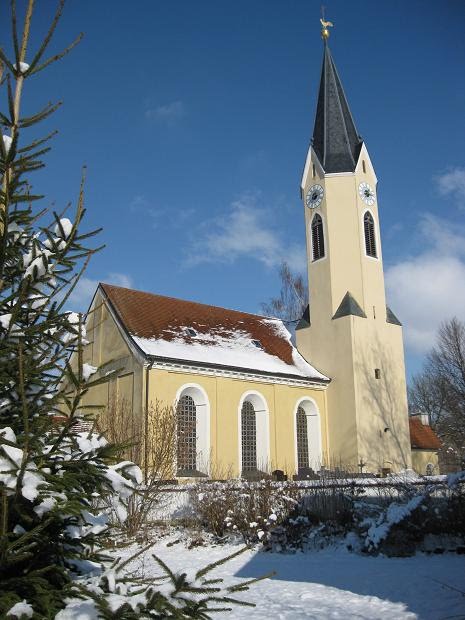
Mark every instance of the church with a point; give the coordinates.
(247, 399)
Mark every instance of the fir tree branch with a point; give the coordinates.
(213, 565)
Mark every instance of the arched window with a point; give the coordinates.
(370, 237)
(248, 437)
(318, 242)
(302, 440)
(186, 435)
(307, 437)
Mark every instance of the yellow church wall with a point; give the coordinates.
(345, 266)
(224, 398)
(328, 344)
(422, 458)
(349, 348)
(343, 253)
(107, 347)
(381, 403)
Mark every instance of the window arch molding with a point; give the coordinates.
(202, 406)
(375, 235)
(318, 254)
(262, 419)
(313, 418)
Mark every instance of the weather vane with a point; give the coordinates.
(325, 25)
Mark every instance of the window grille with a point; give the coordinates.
(186, 434)
(370, 239)
(302, 440)
(249, 437)
(318, 242)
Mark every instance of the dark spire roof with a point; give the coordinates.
(335, 138)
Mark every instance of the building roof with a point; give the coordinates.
(349, 307)
(391, 317)
(422, 435)
(335, 138)
(159, 326)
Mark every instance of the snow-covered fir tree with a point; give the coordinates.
(52, 476)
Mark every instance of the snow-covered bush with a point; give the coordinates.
(392, 517)
(323, 513)
(241, 508)
(399, 526)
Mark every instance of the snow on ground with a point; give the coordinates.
(326, 585)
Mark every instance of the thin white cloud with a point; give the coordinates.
(81, 296)
(142, 204)
(167, 114)
(139, 202)
(243, 233)
(428, 288)
(452, 183)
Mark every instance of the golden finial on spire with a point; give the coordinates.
(325, 25)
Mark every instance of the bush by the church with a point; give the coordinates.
(429, 518)
(394, 519)
(239, 508)
(279, 515)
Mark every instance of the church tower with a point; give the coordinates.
(348, 332)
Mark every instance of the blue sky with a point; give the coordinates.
(194, 119)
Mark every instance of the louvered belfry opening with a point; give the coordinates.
(186, 435)
(318, 242)
(302, 440)
(370, 238)
(249, 437)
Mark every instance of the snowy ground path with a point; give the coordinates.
(329, 584)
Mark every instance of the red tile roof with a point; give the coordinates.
(422, 436)
(155, 317)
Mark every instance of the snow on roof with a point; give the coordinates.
(163, 327)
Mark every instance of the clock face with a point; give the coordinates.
(367, 194)
(314, 196)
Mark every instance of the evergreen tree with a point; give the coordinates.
(52, 475)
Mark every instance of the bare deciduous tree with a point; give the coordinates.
(439, 389)
(293, 297)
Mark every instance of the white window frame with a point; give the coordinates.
(312, 413)
(377, 239)
(325, 237)
(202, 420)
(262, 419)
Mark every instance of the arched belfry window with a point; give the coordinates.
(370, 236)
(249, 437)
(302, 440)
(186, 435)
(318, 241)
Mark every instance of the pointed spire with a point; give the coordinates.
(335, 138)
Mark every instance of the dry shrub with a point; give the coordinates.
(150, 442)
(248, 509)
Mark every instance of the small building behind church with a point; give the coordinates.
(425, 445)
